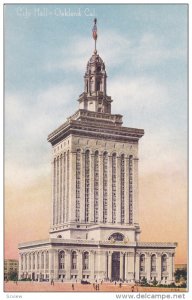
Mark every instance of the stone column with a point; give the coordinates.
(109, 198)
(56, 266)
(148, 266)
(92, 265)
(130, 265)
(82, 208)
(68, 265)
(51, 266)
(80, 265)
(20, 266)
(137, 262)
(28, 267)
(126, 265)
(118, 191)
(159, 267)
(101, 188)
(109, 265)
(44, 270)
(91, 189)
(121, 266)
(135, 191)
(170, 267)
(53, 193)
(126, 190)
(72, 187)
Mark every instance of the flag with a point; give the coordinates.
(94, 30)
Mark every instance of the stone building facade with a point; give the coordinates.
(95, 230)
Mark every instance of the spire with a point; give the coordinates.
(94, 31)
(94, 98)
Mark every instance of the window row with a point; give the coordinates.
(153, 263)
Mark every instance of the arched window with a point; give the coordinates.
(153, 263)
(74, 260)
(117, 236)
(87, 185)
(114, 188)
(42, 260)
(85, 261)
(96, 187)
(61, 260)
(142, 263)
(164, 263)
(105, 186)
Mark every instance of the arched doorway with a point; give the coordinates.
(115, 276)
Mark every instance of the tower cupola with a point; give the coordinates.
(94, 97)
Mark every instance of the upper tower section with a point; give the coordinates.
(94, 98)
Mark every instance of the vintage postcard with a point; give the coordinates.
(96, 149)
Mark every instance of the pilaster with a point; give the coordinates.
(148, 266)
(82, 205)
(72, 187)
(68, 264)
(109, 198)
(118, 191)
(159, 267)
(109, 264)
(92, 264)
(137, 258)
(121, 266)
(56, 266)
(126, 190)
(131, 265)
(126, 265)
(91, 189)
(100, 188)
(51, 267)
(135, 191)
(80, 264)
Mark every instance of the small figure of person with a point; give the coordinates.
(120, 284)
(132, 288)
(98, 287)
(94, 286)
(72, 286)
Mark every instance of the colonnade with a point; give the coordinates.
(94, 187)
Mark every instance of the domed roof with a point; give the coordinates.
(95, 61)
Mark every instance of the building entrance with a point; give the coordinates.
(115, 266)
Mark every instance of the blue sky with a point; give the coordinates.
(145, 51)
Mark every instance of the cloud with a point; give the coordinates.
(145, 51)
(28, 121)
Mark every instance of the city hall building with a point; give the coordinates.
(95, 232)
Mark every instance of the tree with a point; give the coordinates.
(144, 281)
(180, 274)
(155, 282)
(12, 275)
